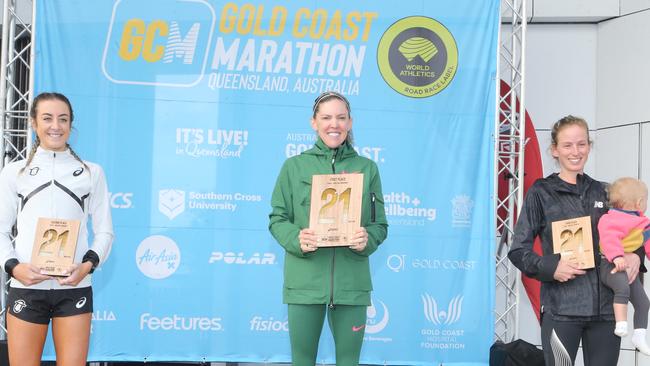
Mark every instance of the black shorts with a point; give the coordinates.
(39, 306)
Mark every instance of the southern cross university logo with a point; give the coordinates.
(171, 202)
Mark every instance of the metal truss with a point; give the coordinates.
(15, 94)
(509, 165)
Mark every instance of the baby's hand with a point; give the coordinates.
(620, 263)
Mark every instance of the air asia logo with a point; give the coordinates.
(19, 305)
(442, 317)
(161, 42)
(417, 56)
(461, 212)
(171, 202)
(241, 258)
(158, 257)
(377, 318)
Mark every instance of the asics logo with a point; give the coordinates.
(356, 329)
(78, 172)
(80, 303)
(19, 305)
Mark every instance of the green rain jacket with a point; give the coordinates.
(329, 275)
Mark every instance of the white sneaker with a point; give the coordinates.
(621, 329)
(638, 340)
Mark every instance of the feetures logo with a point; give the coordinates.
(158, 42)
(158, 257)
(417, 56)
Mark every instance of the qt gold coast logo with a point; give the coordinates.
(417, 56)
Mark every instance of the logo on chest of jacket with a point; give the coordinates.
(33, 171)
(598, 204)
(78, 172)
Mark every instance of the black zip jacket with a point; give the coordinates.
(552, 199)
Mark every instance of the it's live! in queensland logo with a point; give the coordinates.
(158, 42)
(417, 57)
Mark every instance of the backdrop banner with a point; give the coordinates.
(191, 107)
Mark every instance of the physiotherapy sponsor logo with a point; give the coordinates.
(461, 211)
(417, 57)
(406, 210)
(180, 323)
(241, 258)
(172, 202)
(210, 143)
(260, 323)
(158, 257)
(158, 42)
(300, 142)
(402, 262)
(121, 199)
(442, 337)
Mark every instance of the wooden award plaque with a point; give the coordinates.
(572, 238)
(335, 212)
(55, 242)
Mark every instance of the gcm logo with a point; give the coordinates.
(142, 39)
(121, 200)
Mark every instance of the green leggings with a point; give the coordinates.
(347, 323)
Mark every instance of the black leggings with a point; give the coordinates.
(560, 341)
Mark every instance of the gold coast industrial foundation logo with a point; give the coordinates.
(417, 57)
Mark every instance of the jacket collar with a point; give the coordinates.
(344, 151)
(583, 182)
(42, 152)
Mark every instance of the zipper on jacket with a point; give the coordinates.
(331, 304)
(372, 206)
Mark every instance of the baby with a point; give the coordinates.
(625, 229)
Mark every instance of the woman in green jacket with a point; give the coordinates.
(333, 280)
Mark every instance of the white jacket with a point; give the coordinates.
(55, 185)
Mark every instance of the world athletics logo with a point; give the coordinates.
(442, 317)
(417, 57)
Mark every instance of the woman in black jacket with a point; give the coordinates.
(575, 305)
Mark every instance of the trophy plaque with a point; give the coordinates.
(54, 245)
(335, 212)
(572, 239)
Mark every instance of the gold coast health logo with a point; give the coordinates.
(417, 56)
(158, 42)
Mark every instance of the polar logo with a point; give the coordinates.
(171, 202)
(158, 257)
(241, 258)
(372, 325)
(442, 317)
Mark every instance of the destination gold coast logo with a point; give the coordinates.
(417, 56)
